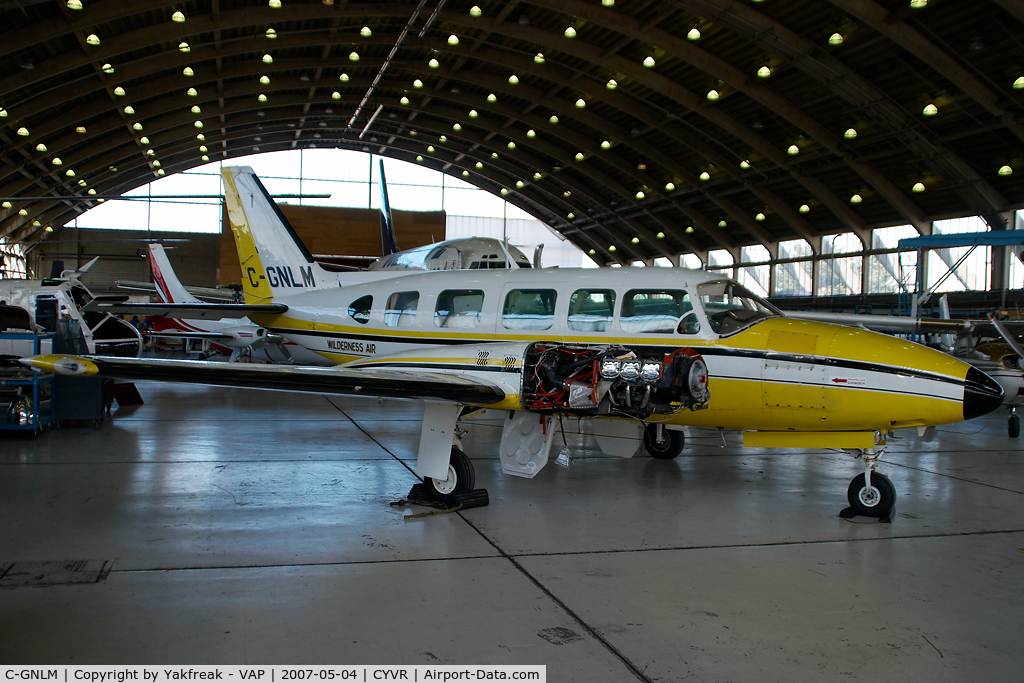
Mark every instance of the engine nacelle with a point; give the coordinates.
(610, 379)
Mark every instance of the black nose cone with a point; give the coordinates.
(982, 394)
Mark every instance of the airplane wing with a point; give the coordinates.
(319, 380)
(171, 334)
(189, 311)
(887, 323)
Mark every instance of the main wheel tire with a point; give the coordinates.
(670, 446)
(1013, 426)
(461, 479)
(874, 501)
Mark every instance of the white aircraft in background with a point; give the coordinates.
(38, 306)
(637, 353)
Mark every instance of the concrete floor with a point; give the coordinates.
(255, 527)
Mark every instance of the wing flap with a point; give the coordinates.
(318, 380)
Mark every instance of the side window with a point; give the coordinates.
(590, 310)
(656, 311)
(459, 308)
(529, 309)
(359, 310)
(401, 309)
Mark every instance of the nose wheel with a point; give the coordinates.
(1013, 425)
(870, 494)
(662, 443)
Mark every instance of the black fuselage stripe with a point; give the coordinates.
(843, 363)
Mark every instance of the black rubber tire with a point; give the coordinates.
(671, 446)
(1013, 426)
(461, 468)
(882, 504)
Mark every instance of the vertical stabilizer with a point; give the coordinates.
(168, 288)
(388, 241)
(274, 260)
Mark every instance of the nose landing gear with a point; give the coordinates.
(870, 494)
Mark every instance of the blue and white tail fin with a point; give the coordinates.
(169, 289)
(273, 259)
(388, 241)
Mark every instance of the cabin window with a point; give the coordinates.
(359, 310)
(529, 309)
(730, 307)
(459, 308)
(401, 309)
(653, 311)
(590, 310)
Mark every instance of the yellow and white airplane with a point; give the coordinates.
(638, 353)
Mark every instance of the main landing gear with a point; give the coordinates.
(1013, 424)
(871, 494)
(663, 443)
(461, 479)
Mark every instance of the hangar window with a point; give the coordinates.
(401, 309)
(359, 310)
(658, 311)
(459, 308)
(590, 310)
(529, 309)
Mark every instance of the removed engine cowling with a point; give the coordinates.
(610, 379)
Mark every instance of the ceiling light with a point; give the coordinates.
(70, 173)
(530, 133)
(3, 113)
(930, 110)
(580, 156)
(343, 78)
(494, 155)
(430, 149)
(1005, 170)
(640, 194)
(918, 187)
(1019, 83)
(693, 34)
(705, 176)
(271, 34)
(40, 147)
(75, 4)
(150, 153)
(353, 56)
(7, 205)
(537, 175)
(192, 92)
(404, 100)
(713, 95)
(793, 150)
(479, 166)
(520, 184)
(119, 91)
(570, 32)
(80, 129)
(635, 240)
(850, 133)
(670, 186)
(465, 174)
(759, 217)
(160, 171)
(804, 208)
(539, 58)
(267, 59)
(419, 157)
(606, 144)
(453, 40)
(553, 120)
(918, 4)
(144, 140)
(722, 224)
(492, 98)
(275, 4)
(200, 137)
(23, 132)
(591, 252)
(178, 17)
(57, 162)
(611, 247)
(764, 72)
(475, 11)
(443, 138)
(196, 109)
(262, 97)
(264, 79)
(567, 194)
(511, 145)
(203, 149)
(744, 164)
(187, 71)
(129, 110)
(649, 62)
(36, 224)
(473, 114)
(107, 69)
(570, 216)
(504, 191)
(204, 158)
(335, 95)
(365, 32)
(513, 80)
(856, 199)
(22, 212)
(581, 103)
(607, 3)
(92, 39)
(835, 39)
(198, 124)
(417, 83)
(136, 126)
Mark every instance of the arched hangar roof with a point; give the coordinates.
(596, 116)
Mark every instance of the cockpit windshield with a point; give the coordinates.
(730, 307)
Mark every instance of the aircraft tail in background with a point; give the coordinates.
(388, 241)
(273, 259)
(169, 289)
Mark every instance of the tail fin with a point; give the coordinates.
(388, 241)
(273, 258)
(168, 288)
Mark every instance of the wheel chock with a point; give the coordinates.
(476, 498)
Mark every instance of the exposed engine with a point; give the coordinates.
(610, 379)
